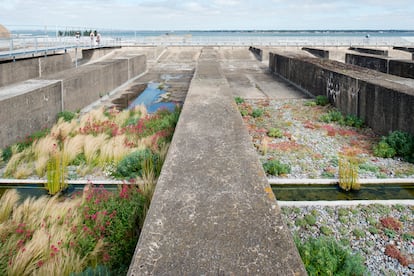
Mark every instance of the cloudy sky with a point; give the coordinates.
(211, 14)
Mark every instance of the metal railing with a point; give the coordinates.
(24, 45)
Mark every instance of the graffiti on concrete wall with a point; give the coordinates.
(332, 87)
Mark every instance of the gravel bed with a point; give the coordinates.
(311, 147)
(360, 229)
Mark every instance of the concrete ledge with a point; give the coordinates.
(24, 69)
(317, 52)
(28, 107)
(213, 212)
(32, 105)
(401, 68)
(86, 84)
(370, 51)
(257, 52)
(385, 102)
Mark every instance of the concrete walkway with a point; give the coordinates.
(213, 212)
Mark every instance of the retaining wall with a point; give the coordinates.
(28, 107)
(370, 51)
(379, 99)
(24, 69)
(402, 68)
(257, 52)
(34, 104)
(317, 52)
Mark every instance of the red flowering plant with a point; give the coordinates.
(114, 218)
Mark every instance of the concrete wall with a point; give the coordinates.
(96, 53)
(402, 68)
(370, 51)
(257, 52)
(32, 105)
(368, 61)
(385, 106)
(317, 52)
(25, 69)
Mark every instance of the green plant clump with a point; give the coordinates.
(239, 100)
(275, 132)
(324, 256)
(132, 165)
(321, 100)
(397, 143)
(257, 112)
(275, 167)
(67, 116)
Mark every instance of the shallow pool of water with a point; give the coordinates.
(333, 192)
(37, 190)
(150, 97)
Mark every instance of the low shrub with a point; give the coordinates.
(310, 219)
(397, 143)
(275, 132)
(325, 256)
(353, 121)
(275, 167)
(6, 154)
(132, 165)
(239, 100)
(67, 116)
(257, 112)
(321, 100)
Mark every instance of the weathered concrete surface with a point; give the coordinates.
(213, 212)
(31, 105)
(27, 107)
(86, 84)
(25, 69)
(251, 79)
(317, 52)
(370, 51)
(385, 102)
(401, 68)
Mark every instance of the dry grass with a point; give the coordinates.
(13, 163)
(92, 147)
(45, 146)
(114, 150)
(22, 171)
(121, 117)
(96, 115)
(7, 202)
(63, 129)
(48, 252)
(73, 146)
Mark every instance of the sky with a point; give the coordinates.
(211, 14)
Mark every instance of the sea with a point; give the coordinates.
(271, 37)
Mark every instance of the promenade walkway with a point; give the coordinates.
(213, 212)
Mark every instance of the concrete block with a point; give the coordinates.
(317, 52)
(28, 107)
(20, 70)
(56, 63)
(384, 101)
(370, 51)
(368, 61)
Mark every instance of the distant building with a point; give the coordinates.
(4, 33)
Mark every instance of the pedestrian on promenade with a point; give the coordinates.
(98, 38)
(92, 36)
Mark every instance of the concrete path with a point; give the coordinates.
(213, 212)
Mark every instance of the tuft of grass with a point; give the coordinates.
(67, 116)
(321, 100)
(7, 203)
(92, 147)
(348, 173)
(73, 146)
